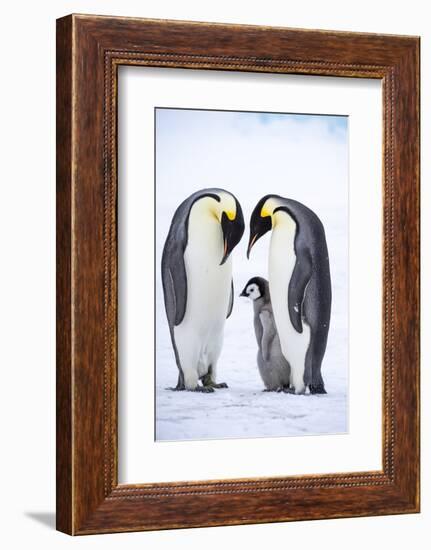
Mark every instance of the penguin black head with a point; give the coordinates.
(260, 222)
(232, 224)
(255, 288)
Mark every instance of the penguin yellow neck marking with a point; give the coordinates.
(265, 212)
(227, 204)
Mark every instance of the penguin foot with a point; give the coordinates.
(208, 382)
(317, 389)
(204, 389)
(282, 389)
(221, 385)
(176, 388)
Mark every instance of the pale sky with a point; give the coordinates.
(304, 157)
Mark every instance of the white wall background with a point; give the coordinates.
(27, 218)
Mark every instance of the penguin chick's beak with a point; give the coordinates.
(233, 230)
(244, 293)
(258, 227)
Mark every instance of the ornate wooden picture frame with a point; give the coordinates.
(89, 51)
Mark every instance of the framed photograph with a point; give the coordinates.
(237, 274)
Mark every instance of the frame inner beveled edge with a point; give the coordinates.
(252, 64)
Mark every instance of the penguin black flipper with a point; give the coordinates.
(174, 275)
(298, 283)
(177, 288)
(230, 306)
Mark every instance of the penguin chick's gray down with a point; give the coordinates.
(273, 367)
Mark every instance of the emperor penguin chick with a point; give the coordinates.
(273, 367)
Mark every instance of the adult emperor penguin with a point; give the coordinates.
(197, 282)
(299, 283)
(273, 367)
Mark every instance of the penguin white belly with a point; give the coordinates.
(282, 261)
(199, 338)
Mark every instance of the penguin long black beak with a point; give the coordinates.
(251, 242)
(233, 230)
(258, 227)
(226, 252)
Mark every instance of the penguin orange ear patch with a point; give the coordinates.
(264, 213)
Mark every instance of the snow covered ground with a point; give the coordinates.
(244, 410)
(256, 149)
